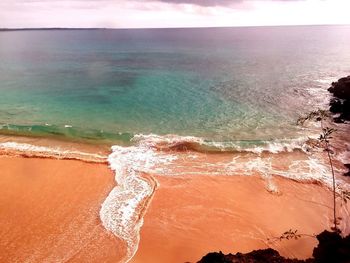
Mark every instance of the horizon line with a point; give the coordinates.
(128, 28)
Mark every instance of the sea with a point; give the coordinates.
(163, 100)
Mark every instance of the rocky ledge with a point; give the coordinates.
(340, 103)
(332, 248)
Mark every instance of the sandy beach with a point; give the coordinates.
(191, 216)
(50, 212)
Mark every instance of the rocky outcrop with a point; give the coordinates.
(262, 256)
(340, 103)
(347, 165)
(332, 248)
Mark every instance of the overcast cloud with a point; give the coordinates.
(170, 13)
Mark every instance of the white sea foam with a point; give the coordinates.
(57, 152)
(120, 212)
(327, 80)
(312, 167)
(309, 169)
(273, 146)
(320, 97)
(154, 140)
(68, 126)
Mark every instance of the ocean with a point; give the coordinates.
(172, 102)
(221, 84)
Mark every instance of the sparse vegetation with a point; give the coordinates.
(345, 196)
(289, 235)
(324, 141)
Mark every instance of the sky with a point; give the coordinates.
(170, 13)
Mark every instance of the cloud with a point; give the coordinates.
(225, 3)
(170, 13)
(204, 2)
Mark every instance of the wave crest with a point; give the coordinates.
(190, 143)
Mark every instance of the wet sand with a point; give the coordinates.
(49, 211)
(193, 215)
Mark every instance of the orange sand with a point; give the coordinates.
(49, 211)
(191, 216)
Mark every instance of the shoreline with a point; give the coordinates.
(159, 204)
(267, 167)
(43, 147)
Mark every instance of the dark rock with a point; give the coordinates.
(216, 258)
(341, 102)
(257, 256)
(347, 165)
(341, 88)
(338, 120)
(332, 248)
(336, 105)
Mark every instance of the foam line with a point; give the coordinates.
(42, 151)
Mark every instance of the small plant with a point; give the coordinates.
(324, 139)
(317, 115)
(288, 235)
(345, 196)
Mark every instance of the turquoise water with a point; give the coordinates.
(223, 84)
